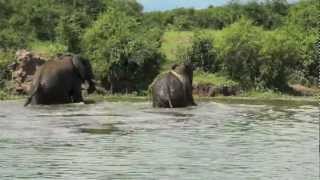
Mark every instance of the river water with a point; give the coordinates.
(125, 140)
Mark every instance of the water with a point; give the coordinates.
(123, 140)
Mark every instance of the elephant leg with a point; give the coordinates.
(170, 103)
(168, 93)
(77, 96)
(169, 98)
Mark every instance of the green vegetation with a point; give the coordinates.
(248, 54)
(5, 60)
(200, 77)
(124, 56)
(175, 41)
(5, 94)
(47, 48)
(260, 45)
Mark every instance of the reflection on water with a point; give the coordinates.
(134, 141)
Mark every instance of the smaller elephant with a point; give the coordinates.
(174, 89)
(59, 81)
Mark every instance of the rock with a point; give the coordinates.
(298, 89)
(24, 68)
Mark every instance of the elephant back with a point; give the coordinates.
(76, 62)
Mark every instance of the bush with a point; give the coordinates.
(304, 15)
(257, 58)
(124, 56)
(47, 48)
(202, 54)
(280, 55)
(6, 57)
(238, 49)
(70, 29)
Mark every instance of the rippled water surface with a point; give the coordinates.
(123, 140)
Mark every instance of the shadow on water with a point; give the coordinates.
(104, 129)
(108, 130)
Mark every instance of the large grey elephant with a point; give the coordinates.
(59, 81)
(174, 89)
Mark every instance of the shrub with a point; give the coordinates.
(280, 56)
(258, 58)
(202, 53)
(238, 49)
(70, 29)
(6, 57)
(122, 53)
(47, 48)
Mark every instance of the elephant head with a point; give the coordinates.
(185, 70)
(84, 69)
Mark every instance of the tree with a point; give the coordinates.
(70, 29)
(124, 56)
(202, 53)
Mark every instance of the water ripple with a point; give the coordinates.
(134, 141)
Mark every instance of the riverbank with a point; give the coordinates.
(244, 98)
(279, 100)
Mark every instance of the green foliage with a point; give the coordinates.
(269, 14)
(304, 15)
(280, 55)
(70, 29)
(260, 44)
(262, 59)
(238, 48)
(47, 48)
(264, 94)
(307, 45)
(11, 35)
(251, 55)
(200, 77)
(130, 7)
(121, 50)
(6, 57)
(105, 40)
(173, 42)
(202, 54)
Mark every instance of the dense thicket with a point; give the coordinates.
(257, 53)
(125, 56)
(269, 14)
(263, 44)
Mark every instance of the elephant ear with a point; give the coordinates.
(79, 66)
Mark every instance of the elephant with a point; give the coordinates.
(59, 81)
(174, 88)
